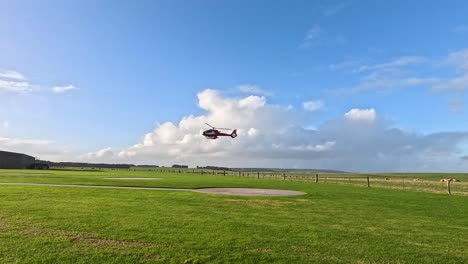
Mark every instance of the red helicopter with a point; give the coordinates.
(214, 133)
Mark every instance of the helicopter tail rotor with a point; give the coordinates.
(234, 133)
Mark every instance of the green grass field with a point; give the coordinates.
(332, 223)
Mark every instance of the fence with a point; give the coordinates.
(372, 181)
(363, 180)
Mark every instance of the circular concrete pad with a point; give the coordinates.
(139, 179)
(249, 192)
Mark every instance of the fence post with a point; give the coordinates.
(368, 183)
(316, 178)
(258, 175)
(224, 173)
(448, 186)
(239, 173)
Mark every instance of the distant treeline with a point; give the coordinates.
(180, 166)
(87, 165)
(93, 165)
(128, 166)
(287, 170)
(214, 168)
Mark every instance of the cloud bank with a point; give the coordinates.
(15, 82)
(397, 74)
(40, 148)
(274, 136)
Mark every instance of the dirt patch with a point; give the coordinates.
(261, 250)
(94, 186)
(249, 192)
(261, 203)
(3, 224)
(138, 179)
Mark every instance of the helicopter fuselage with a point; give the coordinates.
(214, 134)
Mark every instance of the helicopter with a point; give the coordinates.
(214, 133)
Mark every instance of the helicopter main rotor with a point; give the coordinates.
(222, 128)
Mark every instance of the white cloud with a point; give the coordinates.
(14, 82)
(17, 142)
(15, 86)
(396, 63)
(103, 154)
(389, 80)
(459, 83)
(252, 132)
(253, 89)
(357, 66)
(459, 59)
(312, 106)
(356, 114)
(63, 89)
(8, 74)
(107, 152)
(394, 74)
(315, 148)
(252, 102)
(272, 136)
(34, 147)
(331, 10)
(40, 148)
(258, 123)
(386, 76)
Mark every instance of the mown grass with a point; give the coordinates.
(332, 223)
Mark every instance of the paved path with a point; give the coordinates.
(133, 179)
(94, 186)
(223, 191)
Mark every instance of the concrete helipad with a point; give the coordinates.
(249, 192)
(222, 191)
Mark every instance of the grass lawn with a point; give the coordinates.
(331, 223)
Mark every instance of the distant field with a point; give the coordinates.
(424, 182)
(333, 223)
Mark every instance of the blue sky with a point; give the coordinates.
(130, 67)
